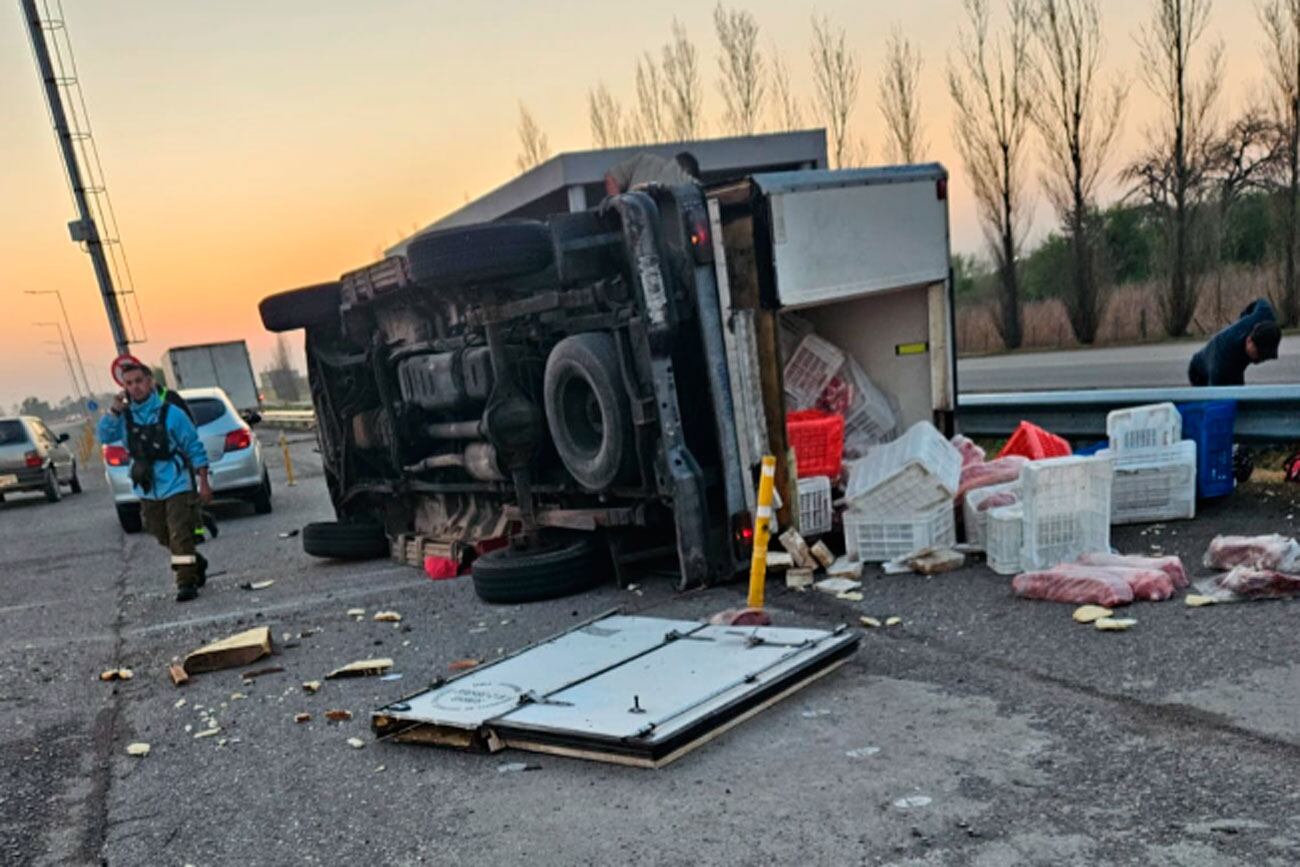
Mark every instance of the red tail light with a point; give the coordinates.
(238, 439)
(941, 189)
(33, 459)
(116, 456)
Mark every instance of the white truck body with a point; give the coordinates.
(221, 365)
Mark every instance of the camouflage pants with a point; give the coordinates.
(172, 522)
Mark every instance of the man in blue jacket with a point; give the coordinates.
(166, 457)
(1252, 339)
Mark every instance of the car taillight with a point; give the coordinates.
(33, 459)
(941, 189)
(238, 439)
(116, 456)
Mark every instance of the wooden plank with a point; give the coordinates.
(233, 652)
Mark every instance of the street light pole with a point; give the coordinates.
(76, 389)
(72, 335)
(67, 362)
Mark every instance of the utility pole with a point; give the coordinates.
(84, 229)
(68, 364)
(62, 344)
(72, 336)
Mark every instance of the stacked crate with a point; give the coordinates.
(1155, 468)
(1064, 511)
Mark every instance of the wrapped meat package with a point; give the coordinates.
(1260, 552)
(1171, 565)
(1251, 583)
(995, 472)
(1078, 585)
(970, 452)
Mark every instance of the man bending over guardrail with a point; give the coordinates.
(1252, 339)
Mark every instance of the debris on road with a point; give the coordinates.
(849, 596)
(362, 668)
(336, 715)
(741, 617)
(256, 585)
(1196, 600)
(464, 664)
(1114, 624)
(862, 752)
(844, 567)
(116, 674)
(311, 686)
(139, 749)
(893, 621)
(289, 534)
(356, 743)
(913, 801)
(835, 586)
(356, 613)
(259, 672)
(798, 549)
(933, 561)
(207, 733)
(798, 579)
(779, 560)
(237, 650)
(387, 617)
(517, 768)
(237, 696)
(302, 717)
(390, 676)
(180, 703)
(1090, 613)
(178, 675)
(870, 622)
(822, 554)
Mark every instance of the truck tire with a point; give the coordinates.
(130, 519)
(300, 308)
(338, 540)
(562, 566)
(588, 411)
(479, 254)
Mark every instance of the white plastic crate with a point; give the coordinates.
(871, 418)
(792, 329)
(812, 365)
(918, 470)
(815, 505)
(1005, 541)
(1143, 430)
(1161, 488)
(974, 520)
(880, 536)
(1066, 504)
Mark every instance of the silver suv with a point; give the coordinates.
(34, 458)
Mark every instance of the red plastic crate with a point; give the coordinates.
(1035, 443)
(818, 441)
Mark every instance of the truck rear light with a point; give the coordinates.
(237, 440)
(941, 189)
(33, 459)
(742, 536)
(116, 456)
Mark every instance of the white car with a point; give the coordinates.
(237, 469)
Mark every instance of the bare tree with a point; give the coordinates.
(990, 82)
(1281, 21)
(899, 101)
(681, 71)
(786, 108)
(1171, 174)
(743, 82)
(1078, 122)
(836, 77)
(533, 146)
(651, 99)
(605, 114)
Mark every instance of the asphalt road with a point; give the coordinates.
(1036, 740)
(1154, 365)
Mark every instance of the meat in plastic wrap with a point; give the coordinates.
(1079, 586)
(1251, 583)
(1260, 552)
(1171, 565)
(995, 472)
(970, 452)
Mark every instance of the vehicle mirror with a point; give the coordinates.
(253, 416)
(63, 438)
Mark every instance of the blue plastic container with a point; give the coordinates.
(1091, 449)
(1209, 424)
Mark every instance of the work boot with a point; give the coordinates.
(187, 593)
(202, 570)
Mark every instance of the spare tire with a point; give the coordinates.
(560, 566)
(301, 308)
(339, 540)
(588, 411)
(485, 253)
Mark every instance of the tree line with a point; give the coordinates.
(1034, 112)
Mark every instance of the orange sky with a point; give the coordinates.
(251, 146)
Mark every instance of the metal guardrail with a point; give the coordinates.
(304, 419)
(1265, 413)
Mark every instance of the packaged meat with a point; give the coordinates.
(1252, 583)
(1152, 585)
(1079, 586)
(970, 452)
(1171, 565)
(1260, 552)
(996, 499)
(995, 472)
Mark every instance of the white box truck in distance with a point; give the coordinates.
(222, 365)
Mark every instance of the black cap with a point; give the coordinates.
(1266, 336)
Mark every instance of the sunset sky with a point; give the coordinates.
(251, 146)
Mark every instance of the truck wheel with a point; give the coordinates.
(479, 254)
(587, 410)
(339, 540)
(52, 491)
(262, 498)
(130, 519)
(559, 567)
(300, 308)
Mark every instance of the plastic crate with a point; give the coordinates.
(812, 365)
(1162, 488)
(792, 329)
(1143, 429)
(1209, 424)
(1067, 509)
(880, 536)
(818, 441)
(815, 505)
(871, 417)
(976, 520)
(1031, 441)
(1005, 543)
(918, 470)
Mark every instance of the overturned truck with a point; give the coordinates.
(561, 400)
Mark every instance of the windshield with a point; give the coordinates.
(206, 410)
(12, 432)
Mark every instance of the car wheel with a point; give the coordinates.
(479, 254)
(75, 485)
(340, 540)
(561, 566)
(588, 411)
(301, 308)
(53, 492)
(262, 499)
(130, 519)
